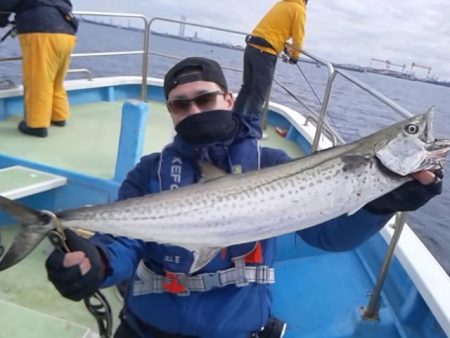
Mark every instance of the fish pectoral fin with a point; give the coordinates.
(202, 256)
(210, 172)
(355, 160)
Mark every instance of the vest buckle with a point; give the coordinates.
(211, 281)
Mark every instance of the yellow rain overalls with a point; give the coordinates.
(46, 58)
(46, 30)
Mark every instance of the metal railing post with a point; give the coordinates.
(324, 108)
(265, 112)
(145, 50)
(145, 61)
(371, 312)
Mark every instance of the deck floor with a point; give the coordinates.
(327, 296)
(31, 307)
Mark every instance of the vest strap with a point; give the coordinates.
(150, 282)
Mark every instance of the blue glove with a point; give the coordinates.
(408, 197)
(68, 280)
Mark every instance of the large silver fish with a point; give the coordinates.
(231, 209)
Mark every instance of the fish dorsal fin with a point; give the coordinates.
(210, 172)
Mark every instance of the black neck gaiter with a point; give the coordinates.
(207, 127)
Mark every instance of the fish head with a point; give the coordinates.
(409, 146)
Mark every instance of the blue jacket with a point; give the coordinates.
(224, 312)
(39, 16)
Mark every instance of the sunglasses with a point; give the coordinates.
(204, 102)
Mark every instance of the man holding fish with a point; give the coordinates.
(186, 291)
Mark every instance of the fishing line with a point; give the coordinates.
(329, 117)
(309, 84)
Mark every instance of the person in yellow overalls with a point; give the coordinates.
(47, 32)
(285, 20)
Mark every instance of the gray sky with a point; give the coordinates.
(343, 31)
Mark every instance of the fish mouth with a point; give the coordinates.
(438, 148)
(437, 152)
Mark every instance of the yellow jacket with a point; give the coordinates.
(286, 19)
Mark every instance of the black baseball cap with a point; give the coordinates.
(194, 69)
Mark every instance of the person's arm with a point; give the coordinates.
(4, 20)
(123, 254)
(347, 232)
(344, 232)
(9, 5)
(298, 33)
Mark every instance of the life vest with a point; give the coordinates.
(177, 169)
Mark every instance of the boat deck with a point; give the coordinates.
(31, 307)
(327, 296)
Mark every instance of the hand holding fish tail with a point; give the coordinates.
(409, 196)
(77, 274)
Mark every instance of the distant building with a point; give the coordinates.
(182, 26)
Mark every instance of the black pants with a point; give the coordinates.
(125, 331)
(273, 329)
(259, 69)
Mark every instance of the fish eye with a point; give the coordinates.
(412, 129)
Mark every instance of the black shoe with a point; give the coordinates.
(59, 123)
(39, 132)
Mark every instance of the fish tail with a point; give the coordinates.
(35, 227)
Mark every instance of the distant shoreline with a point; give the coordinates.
(350, 67)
